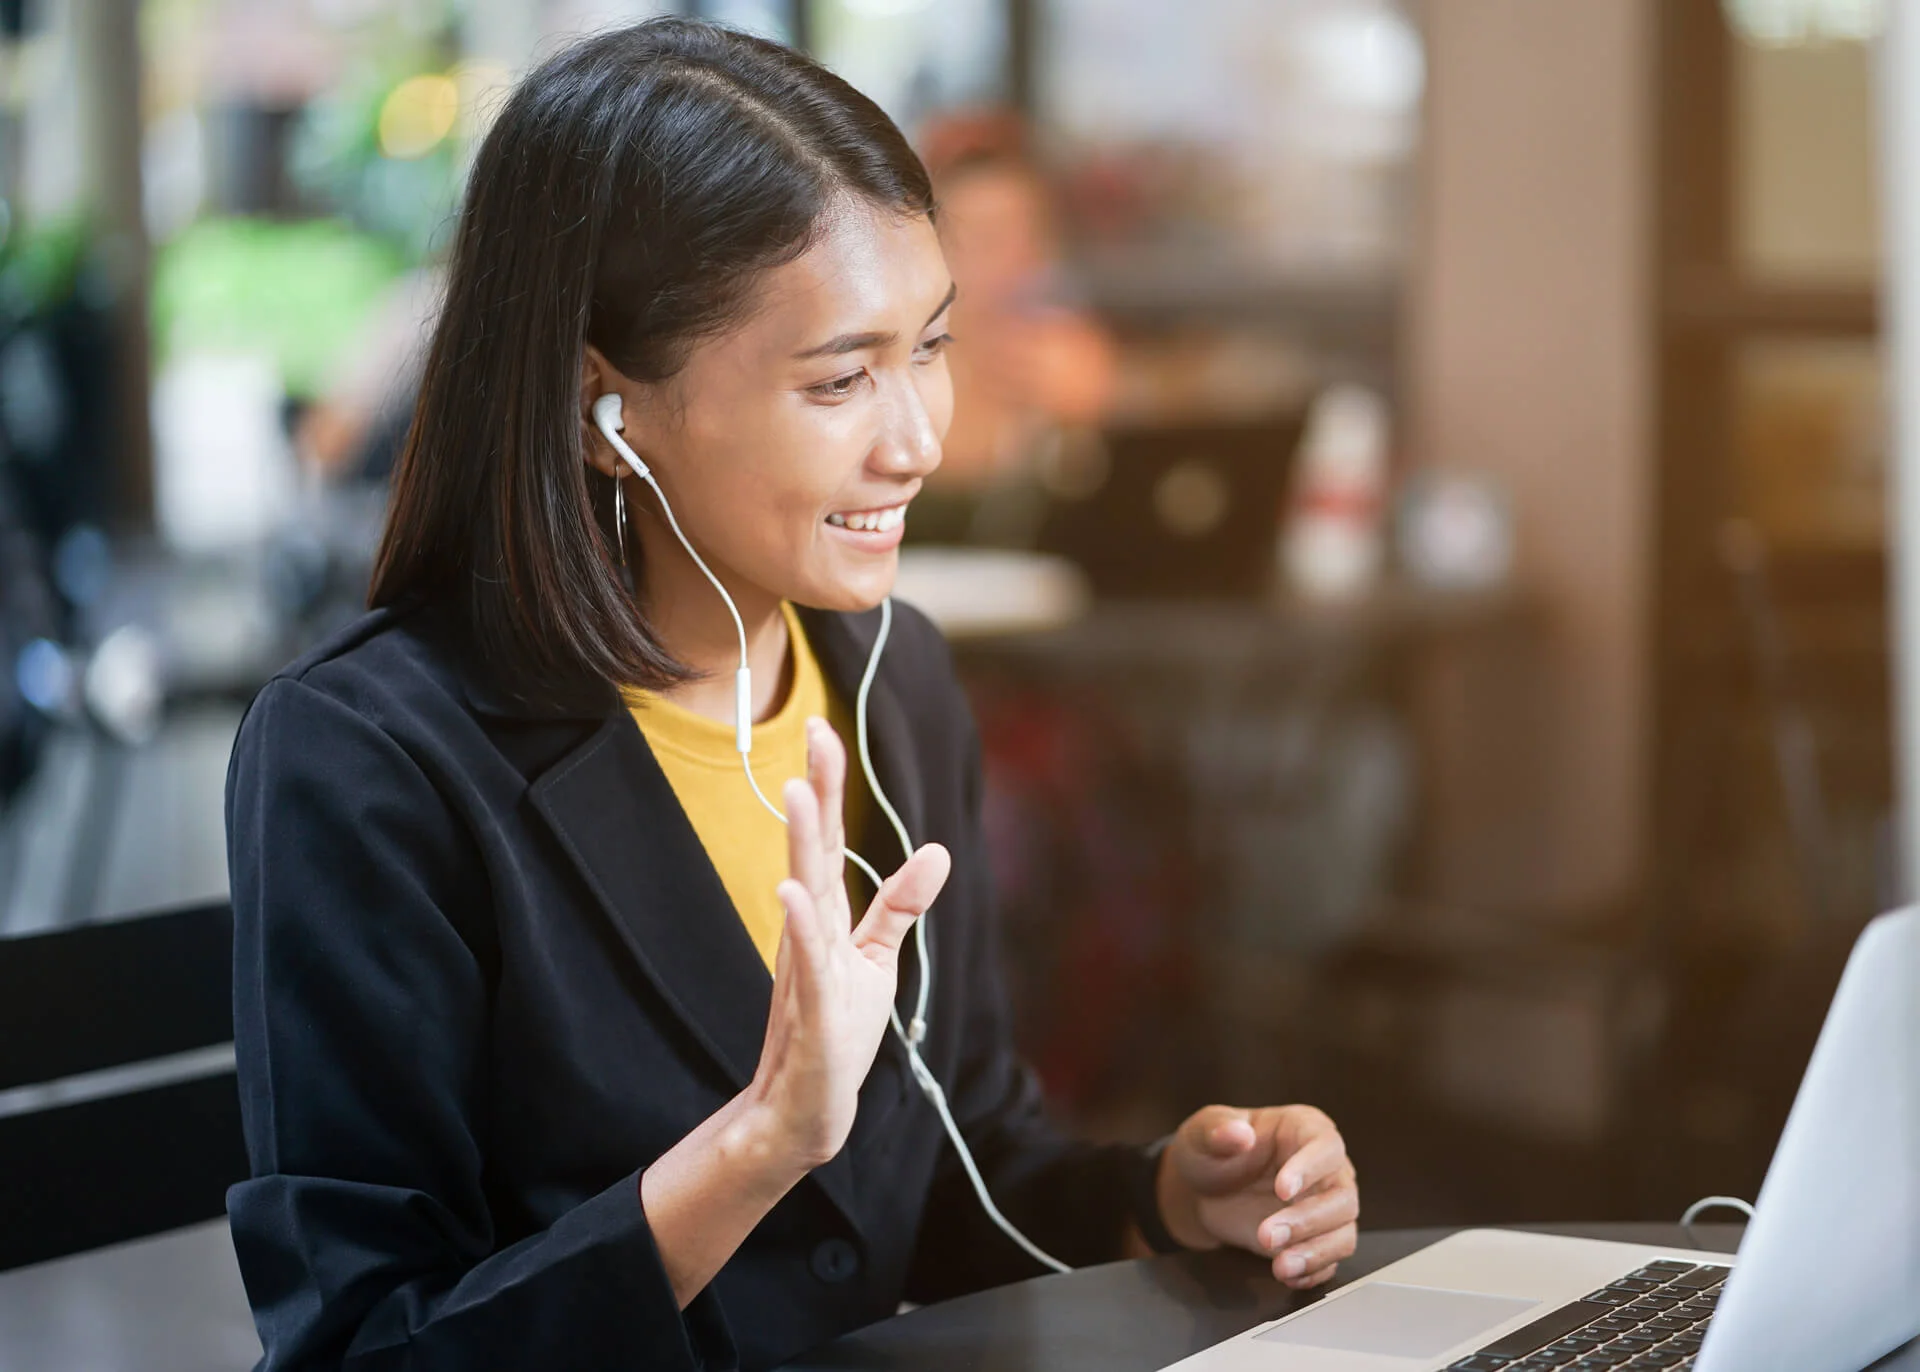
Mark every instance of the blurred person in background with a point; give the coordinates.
(555, 1048)
(1030, 361)
(355, 428)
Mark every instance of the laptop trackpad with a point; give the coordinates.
(1397, 1321)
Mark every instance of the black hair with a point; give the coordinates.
(628, 195)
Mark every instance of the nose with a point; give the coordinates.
(908, 443)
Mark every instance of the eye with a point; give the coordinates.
(841, 387)
(933, 347)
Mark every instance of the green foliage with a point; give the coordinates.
(40, 264)
(336, 158)
(298, 291)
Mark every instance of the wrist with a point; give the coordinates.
(1179, 1209)
(760, 1144)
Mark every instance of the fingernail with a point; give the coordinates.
(1289, 1186)
(1277, 1237)
(1294, 1264)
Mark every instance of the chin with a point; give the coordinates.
(854, 594)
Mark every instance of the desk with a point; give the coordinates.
(1140, 1316)
(174, 1303)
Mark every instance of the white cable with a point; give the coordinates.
(917, 1029)
(606, 414)
(1706, 1203)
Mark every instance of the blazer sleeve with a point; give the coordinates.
(1071, 1198)
(361, 1007)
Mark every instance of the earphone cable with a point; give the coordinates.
(910, 1036)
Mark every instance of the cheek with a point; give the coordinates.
(936, 393)
(780, 482)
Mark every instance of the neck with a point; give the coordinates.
(692, 623)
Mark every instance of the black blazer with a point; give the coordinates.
(485, 973)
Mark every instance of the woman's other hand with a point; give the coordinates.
(1275, 1181)
(834, 981)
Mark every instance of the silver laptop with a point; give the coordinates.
(1828, 1276)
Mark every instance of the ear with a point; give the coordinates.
(597, 377)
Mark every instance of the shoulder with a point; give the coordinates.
(383, 662)
(385, 691)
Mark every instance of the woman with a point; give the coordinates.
(555, 1050)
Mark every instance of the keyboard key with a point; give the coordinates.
(1667, 1324)
(1686, 1343)
(1479, 1362)
(1545, 1330)
(1608, 1295)
(1662, 1356)
(1633, 1343)
(1610, 1356)
(1665, 1270)
(1613, 1324)
(1702, 1277)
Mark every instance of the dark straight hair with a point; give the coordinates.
(628, 195)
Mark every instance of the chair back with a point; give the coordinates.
(119, 1112)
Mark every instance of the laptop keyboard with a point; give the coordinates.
(1653, 1318)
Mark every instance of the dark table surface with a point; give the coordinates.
(1140, 1316)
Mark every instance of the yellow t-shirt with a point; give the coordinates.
(748, 846)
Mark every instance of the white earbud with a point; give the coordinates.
(608, 419)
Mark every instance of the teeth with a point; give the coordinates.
(871, 521)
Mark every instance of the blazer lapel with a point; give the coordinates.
(842, 643)
(615, 814)
(617, 818)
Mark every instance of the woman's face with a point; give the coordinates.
(790, 446)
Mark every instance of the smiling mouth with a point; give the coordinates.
(870, 521)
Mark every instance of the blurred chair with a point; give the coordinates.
(119, 1113)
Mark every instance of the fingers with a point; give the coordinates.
(803, 943)
(1308, 1281)
(827, 774)
(1319, 1154)
(1219, 1150)
(902, 899)
(1316, 1213)
(806, 863)
(1309, 1264)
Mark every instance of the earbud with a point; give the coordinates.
(608, 419)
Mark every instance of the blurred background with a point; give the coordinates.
(1414, 530)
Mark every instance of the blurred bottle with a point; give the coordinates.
(1333, 544)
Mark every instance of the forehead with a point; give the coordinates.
(868, 269)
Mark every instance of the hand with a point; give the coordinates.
(1225, 1170)
(833, 982)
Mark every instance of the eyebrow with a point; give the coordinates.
(858, 342)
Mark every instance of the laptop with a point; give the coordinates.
(1827, 1278)
(1182, 511)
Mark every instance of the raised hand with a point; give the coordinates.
(834, 981)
